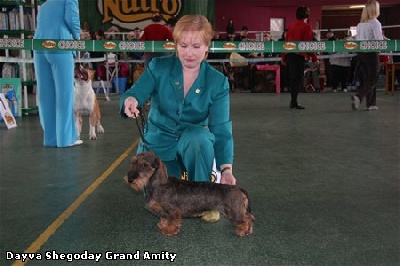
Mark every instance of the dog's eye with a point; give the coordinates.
(145, 165)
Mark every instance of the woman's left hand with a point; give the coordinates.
(228, 178)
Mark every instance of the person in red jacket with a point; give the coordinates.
(298, 31)
(155, 32)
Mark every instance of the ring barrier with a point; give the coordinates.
(345, 48)
(324, 49)
(215, 47)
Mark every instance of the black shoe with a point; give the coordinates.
(297, 106)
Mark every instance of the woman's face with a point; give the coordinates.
(191, 49)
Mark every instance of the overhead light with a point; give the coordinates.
(357, 6)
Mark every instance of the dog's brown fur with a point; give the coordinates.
(86, 102)
(172, 199)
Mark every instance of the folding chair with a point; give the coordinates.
(105, 73)
(311, 78)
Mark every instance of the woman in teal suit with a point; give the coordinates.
(189, 119)
(57, 19)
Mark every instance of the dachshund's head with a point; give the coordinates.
(143, 167)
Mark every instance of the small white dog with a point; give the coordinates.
(86, 102)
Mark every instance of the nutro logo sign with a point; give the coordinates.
(129, 14)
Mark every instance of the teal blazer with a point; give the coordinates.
(206, 104)
(58, 19)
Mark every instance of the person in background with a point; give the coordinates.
(135, 36)
(230, 30)
(171, 22)
(217, 56)
(98, 35)
(284, 36)
(369, 28)
(135, 68)
(57, 19)
(155, 32)
(267, 38)
(215, 60)
(330, 36)
(243, 37)
(298, 31)
(112, 33)
(340, 70)
(284, 75)
(312, 72)
(189, 120)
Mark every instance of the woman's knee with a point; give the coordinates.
(196, 139)
(174, 168)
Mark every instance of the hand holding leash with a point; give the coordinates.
(131, 109)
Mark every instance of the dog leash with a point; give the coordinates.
(141, 126)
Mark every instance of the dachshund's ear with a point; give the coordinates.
(162, 171)
(133, 159)
(157, 162)
(151, 153)
(150, 157)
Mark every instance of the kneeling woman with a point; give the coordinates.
(189, 119)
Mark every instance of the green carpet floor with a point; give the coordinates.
(324, 185)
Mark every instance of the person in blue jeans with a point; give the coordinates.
(57, 19)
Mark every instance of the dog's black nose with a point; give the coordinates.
(80, 73)
(131, 177)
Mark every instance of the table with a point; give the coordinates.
(277, 70)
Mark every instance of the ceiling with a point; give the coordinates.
(326, 4)
(352, 6)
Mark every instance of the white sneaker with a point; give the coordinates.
(76, 143)
(344, 90)
(334, 90)
(355, 102)
(372, 108)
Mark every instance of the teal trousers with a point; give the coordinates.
(195, 155)
(55, 81)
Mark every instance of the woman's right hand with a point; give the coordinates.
(130, 107)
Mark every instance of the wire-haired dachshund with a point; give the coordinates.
(173, 199)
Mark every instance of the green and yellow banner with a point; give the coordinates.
(215, 47)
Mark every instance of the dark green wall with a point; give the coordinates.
(91, 16)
